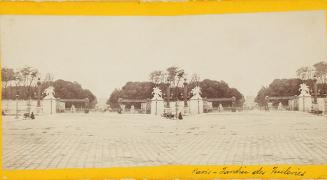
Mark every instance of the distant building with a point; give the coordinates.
(249, 102)
(102, 104)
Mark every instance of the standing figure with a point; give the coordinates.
(32, 116)
(180, 117)
(266, 103)
(221, 108)
(72, 108)
(280, 106)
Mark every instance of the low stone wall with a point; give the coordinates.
(322, 104)
(297, 104)
(10, 107)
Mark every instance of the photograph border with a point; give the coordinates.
(137, 8)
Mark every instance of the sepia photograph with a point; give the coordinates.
(139, 91)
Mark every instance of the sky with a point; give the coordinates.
(102, 53)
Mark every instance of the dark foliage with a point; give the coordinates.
(287, 87)
(143, 90)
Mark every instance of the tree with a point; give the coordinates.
(29, 76)
(131, 90)
(171, 74)
(308, 72)
(18, 86)
(218, 89)
(180, 75)
(305, 73)
(287, 87)
(7, 75)
(18, 79)
(23, 80)
(113, 99)
(321, 72)
(260, 98)
(157, 77)
(195, 78)
(173, 77)
(48, 79)
(143, 90)
(24, 84)
(72, 90)
(137, 90)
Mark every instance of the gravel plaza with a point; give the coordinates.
(97, 140)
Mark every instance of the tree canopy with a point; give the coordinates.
(72, 90)
(290, 87)
(23, 82)
(218, 89)
(287, 87)
(321, 71)
(173, 77)
(318, 70)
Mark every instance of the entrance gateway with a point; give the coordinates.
(303, 102)
(158, 106)
(83, 102)
(228, 102)
(281, 102)
(134, 105)
(52, 105)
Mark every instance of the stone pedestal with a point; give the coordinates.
(196, 106)
(157, 102)
(49, 106)
(157, 107)
(196, 102)
(305, 103)
(49, 101)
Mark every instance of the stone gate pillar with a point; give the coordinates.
(304, 99)
(157, 102)
(196, 101)
(49, 101)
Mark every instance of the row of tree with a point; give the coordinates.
(290, 87)
(318, 71)
(26, 81)
(171, 84)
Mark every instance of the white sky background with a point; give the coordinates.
(102, 53)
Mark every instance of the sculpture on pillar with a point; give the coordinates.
(304, 99)
(196, 93)
(304, 90)
(157, 103)
(157, 94)
(196, 102)
(49, 101)
(49, 92)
